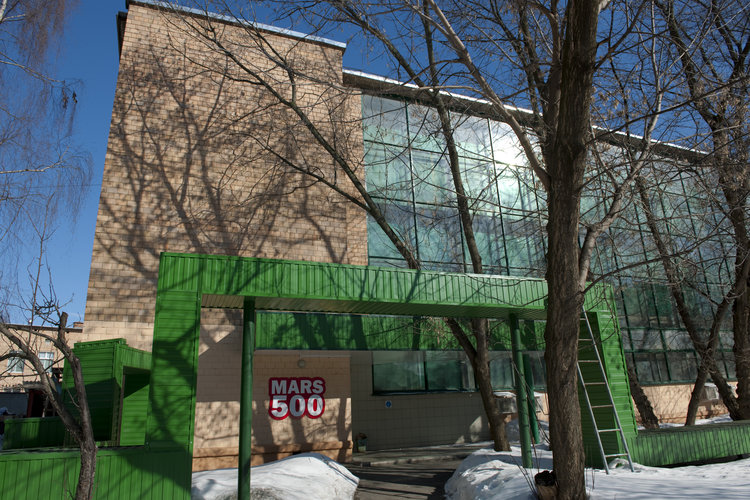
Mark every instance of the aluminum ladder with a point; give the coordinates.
(598, 432)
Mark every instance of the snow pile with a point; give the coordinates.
(307, 476)
(488, 474)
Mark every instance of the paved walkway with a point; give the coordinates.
(410, 473)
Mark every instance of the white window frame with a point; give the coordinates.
(48, 359)
(16, 365)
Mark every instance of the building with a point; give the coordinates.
(20, 391)
(202, 159)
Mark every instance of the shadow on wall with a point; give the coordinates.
(670, 403)
(201, 162)
(218, 393)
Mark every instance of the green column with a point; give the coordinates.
(246, 398)
(529, 374)
(522, 402)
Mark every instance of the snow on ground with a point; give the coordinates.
(487, 474)
(307, 476)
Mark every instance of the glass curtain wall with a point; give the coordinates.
(408, 174)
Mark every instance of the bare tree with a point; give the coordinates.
(24, 343)
(543, 55)
(77, 424)
(37, 155)
(709, 44)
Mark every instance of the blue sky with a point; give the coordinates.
(88, 54)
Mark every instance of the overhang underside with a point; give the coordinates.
(301, 304)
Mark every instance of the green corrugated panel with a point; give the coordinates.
(134, 408)
(387, 290)
(98, 365)
(126, 474)
(37, 432)
(678, 445)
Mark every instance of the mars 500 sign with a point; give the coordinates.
(298, 397)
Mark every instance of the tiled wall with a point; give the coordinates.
(412, 420)
(218, 410)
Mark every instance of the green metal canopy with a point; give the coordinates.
(188, 282)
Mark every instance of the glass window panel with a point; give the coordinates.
(518, 242)
(628, 250)
(603, 260)
(651, 367)
(384, 262)
(626, 345)
(425, 130)
(505, 145)
(646, 339)
(384, 120)
(726, 339)
(397, 371)
(15, 365)
(677, 339)
(47, 358)
(472, 136)
(387, 171)
(480, 184)
(501, 370)
(638, 304)
(509, 188)
(592, 208)
(700, 308)
(538, 370)
(727, 357)
(433, 182)
(401, 219)
(683, 366)
(447, 371)
(488, 234)
(439, 234)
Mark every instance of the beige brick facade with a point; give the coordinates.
(189, 168)
(19, 376)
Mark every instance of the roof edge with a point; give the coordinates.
(160, 4)
(482, 107)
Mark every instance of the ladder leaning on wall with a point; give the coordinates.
(611, 405)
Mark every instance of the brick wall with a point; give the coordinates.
(217, 413)
(191, 162)
(193, 165)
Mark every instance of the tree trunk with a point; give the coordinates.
(561, 353)
(86, 442)
(695, 395)
(741, 349)
(646, 411)
(85, 488)
(481, 367)
(566, 163)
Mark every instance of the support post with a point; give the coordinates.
(521, 398)
(246, 398)
(529, 374)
